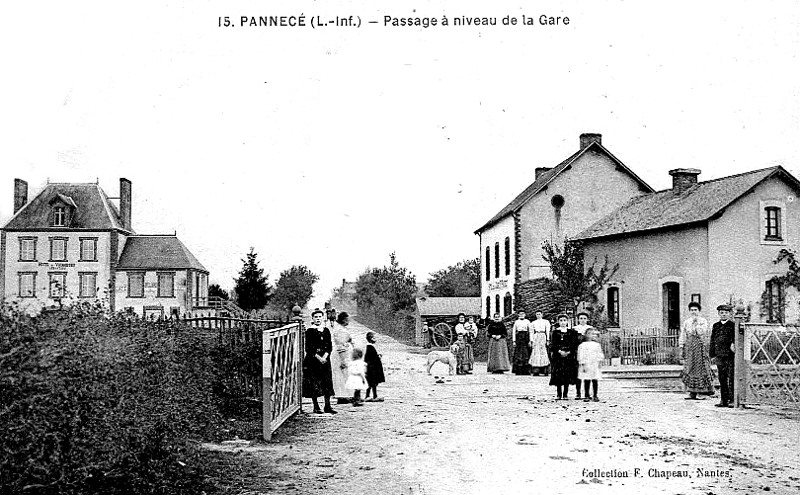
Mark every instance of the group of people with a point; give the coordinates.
(699, 349)
(575, 357)
(334, 367)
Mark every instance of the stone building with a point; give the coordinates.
(72, 242)
(712, 242)
(561, 202)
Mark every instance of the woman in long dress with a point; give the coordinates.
(317, 380)
(563, 359)
(540, 329)
(340, 357)
(521, 338)
(466, 329)
(497, 361)
(693, 341)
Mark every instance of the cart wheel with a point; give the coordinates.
(442, 335)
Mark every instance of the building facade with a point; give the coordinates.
(71, 242)
(560, 203)
(711, 242)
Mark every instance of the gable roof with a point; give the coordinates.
(441, 306)
(157, 252)
(664, 209)
(546, 177)
(92, 208)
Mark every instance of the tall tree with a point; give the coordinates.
(294, 286)
(214, 290)
(391, 288)
(460, 280)
(252, 288)
(576, 283)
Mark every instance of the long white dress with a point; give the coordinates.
(589, 356)
(357, 379)
(340, 359)
(540, 329)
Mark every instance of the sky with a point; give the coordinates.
(334, 147)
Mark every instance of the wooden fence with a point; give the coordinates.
(262, 360)
(770, 365)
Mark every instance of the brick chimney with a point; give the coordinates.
(125, 203)
(541, 170)
(20, 194)
(588, 138)
(683, 178)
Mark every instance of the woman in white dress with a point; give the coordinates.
(540, 330)
(340, 357)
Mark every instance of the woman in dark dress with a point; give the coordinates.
(497, 360)
(563, 360)
(317, 378)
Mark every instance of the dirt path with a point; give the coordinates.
(487, 433)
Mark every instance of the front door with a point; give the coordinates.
(672, 305)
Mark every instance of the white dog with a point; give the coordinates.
(445, 357)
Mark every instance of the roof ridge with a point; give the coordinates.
(726, 177)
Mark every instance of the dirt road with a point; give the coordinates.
(486, 433)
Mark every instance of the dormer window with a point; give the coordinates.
(59, 216)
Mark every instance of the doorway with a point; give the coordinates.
(672, 305)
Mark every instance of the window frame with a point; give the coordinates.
(33, 285)
(497, 305)
(488, 307)
(488, 263)
(59, 213)
(772, 223)
(25, 239)
(131, 275)
(53, 240)
(781, 227)
(613, 306)
(63, 291)
(508, 303)
(508, 255)
(172, 286)
(496, 260)
(776, 310)
(93, 242)
(82, 285)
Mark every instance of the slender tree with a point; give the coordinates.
(252, 288)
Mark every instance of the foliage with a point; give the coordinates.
(252, 288)
(460, 280)
(97, 403)
(295, 286)
(214, 290)
(790, 279)
(578, 284)
(389, 288)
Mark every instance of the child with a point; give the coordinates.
(458, 349)
(589, 356)
(375, 374)
(357, 381)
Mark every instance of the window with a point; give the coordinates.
(488, 263)
(27, 284)
(773, 225)
(58, 283)
(775, 298)
(508, 303)
(59, 216)
(496, 260)
(27, 249)
(88, 249)
(166, 284)
(136, 284)
(88, 284)
(497, 303)
(508, 256)
(488, 307)
(696, 298)
(58, 249)
(612, 301)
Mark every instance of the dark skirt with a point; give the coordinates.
(563, 370)
(374, 367)
(522, 354)
(498, 356)
(317, 378)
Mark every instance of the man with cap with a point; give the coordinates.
(721, 350)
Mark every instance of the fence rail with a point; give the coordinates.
(772, 364)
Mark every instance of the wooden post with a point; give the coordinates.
(740, 369)
(300, 351)
(266, 385)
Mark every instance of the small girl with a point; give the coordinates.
(375, 374)
(589, 356)
(459, 351)
(357, 381)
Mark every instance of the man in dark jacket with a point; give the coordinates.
(721, 351)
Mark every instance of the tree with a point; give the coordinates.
(214, 290)
(389, 288)
(574, 281)
(295, 286)
(252, 288)
(460, 280)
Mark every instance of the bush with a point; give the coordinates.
(96, 403)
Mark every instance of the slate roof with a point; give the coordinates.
(92, 209)
(666, 209)
(157, 252)
(546, 177)
(446, 306)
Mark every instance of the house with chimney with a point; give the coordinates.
(562, 201)
(712, 242)
(71, 242)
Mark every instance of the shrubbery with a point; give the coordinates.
(97, 403)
